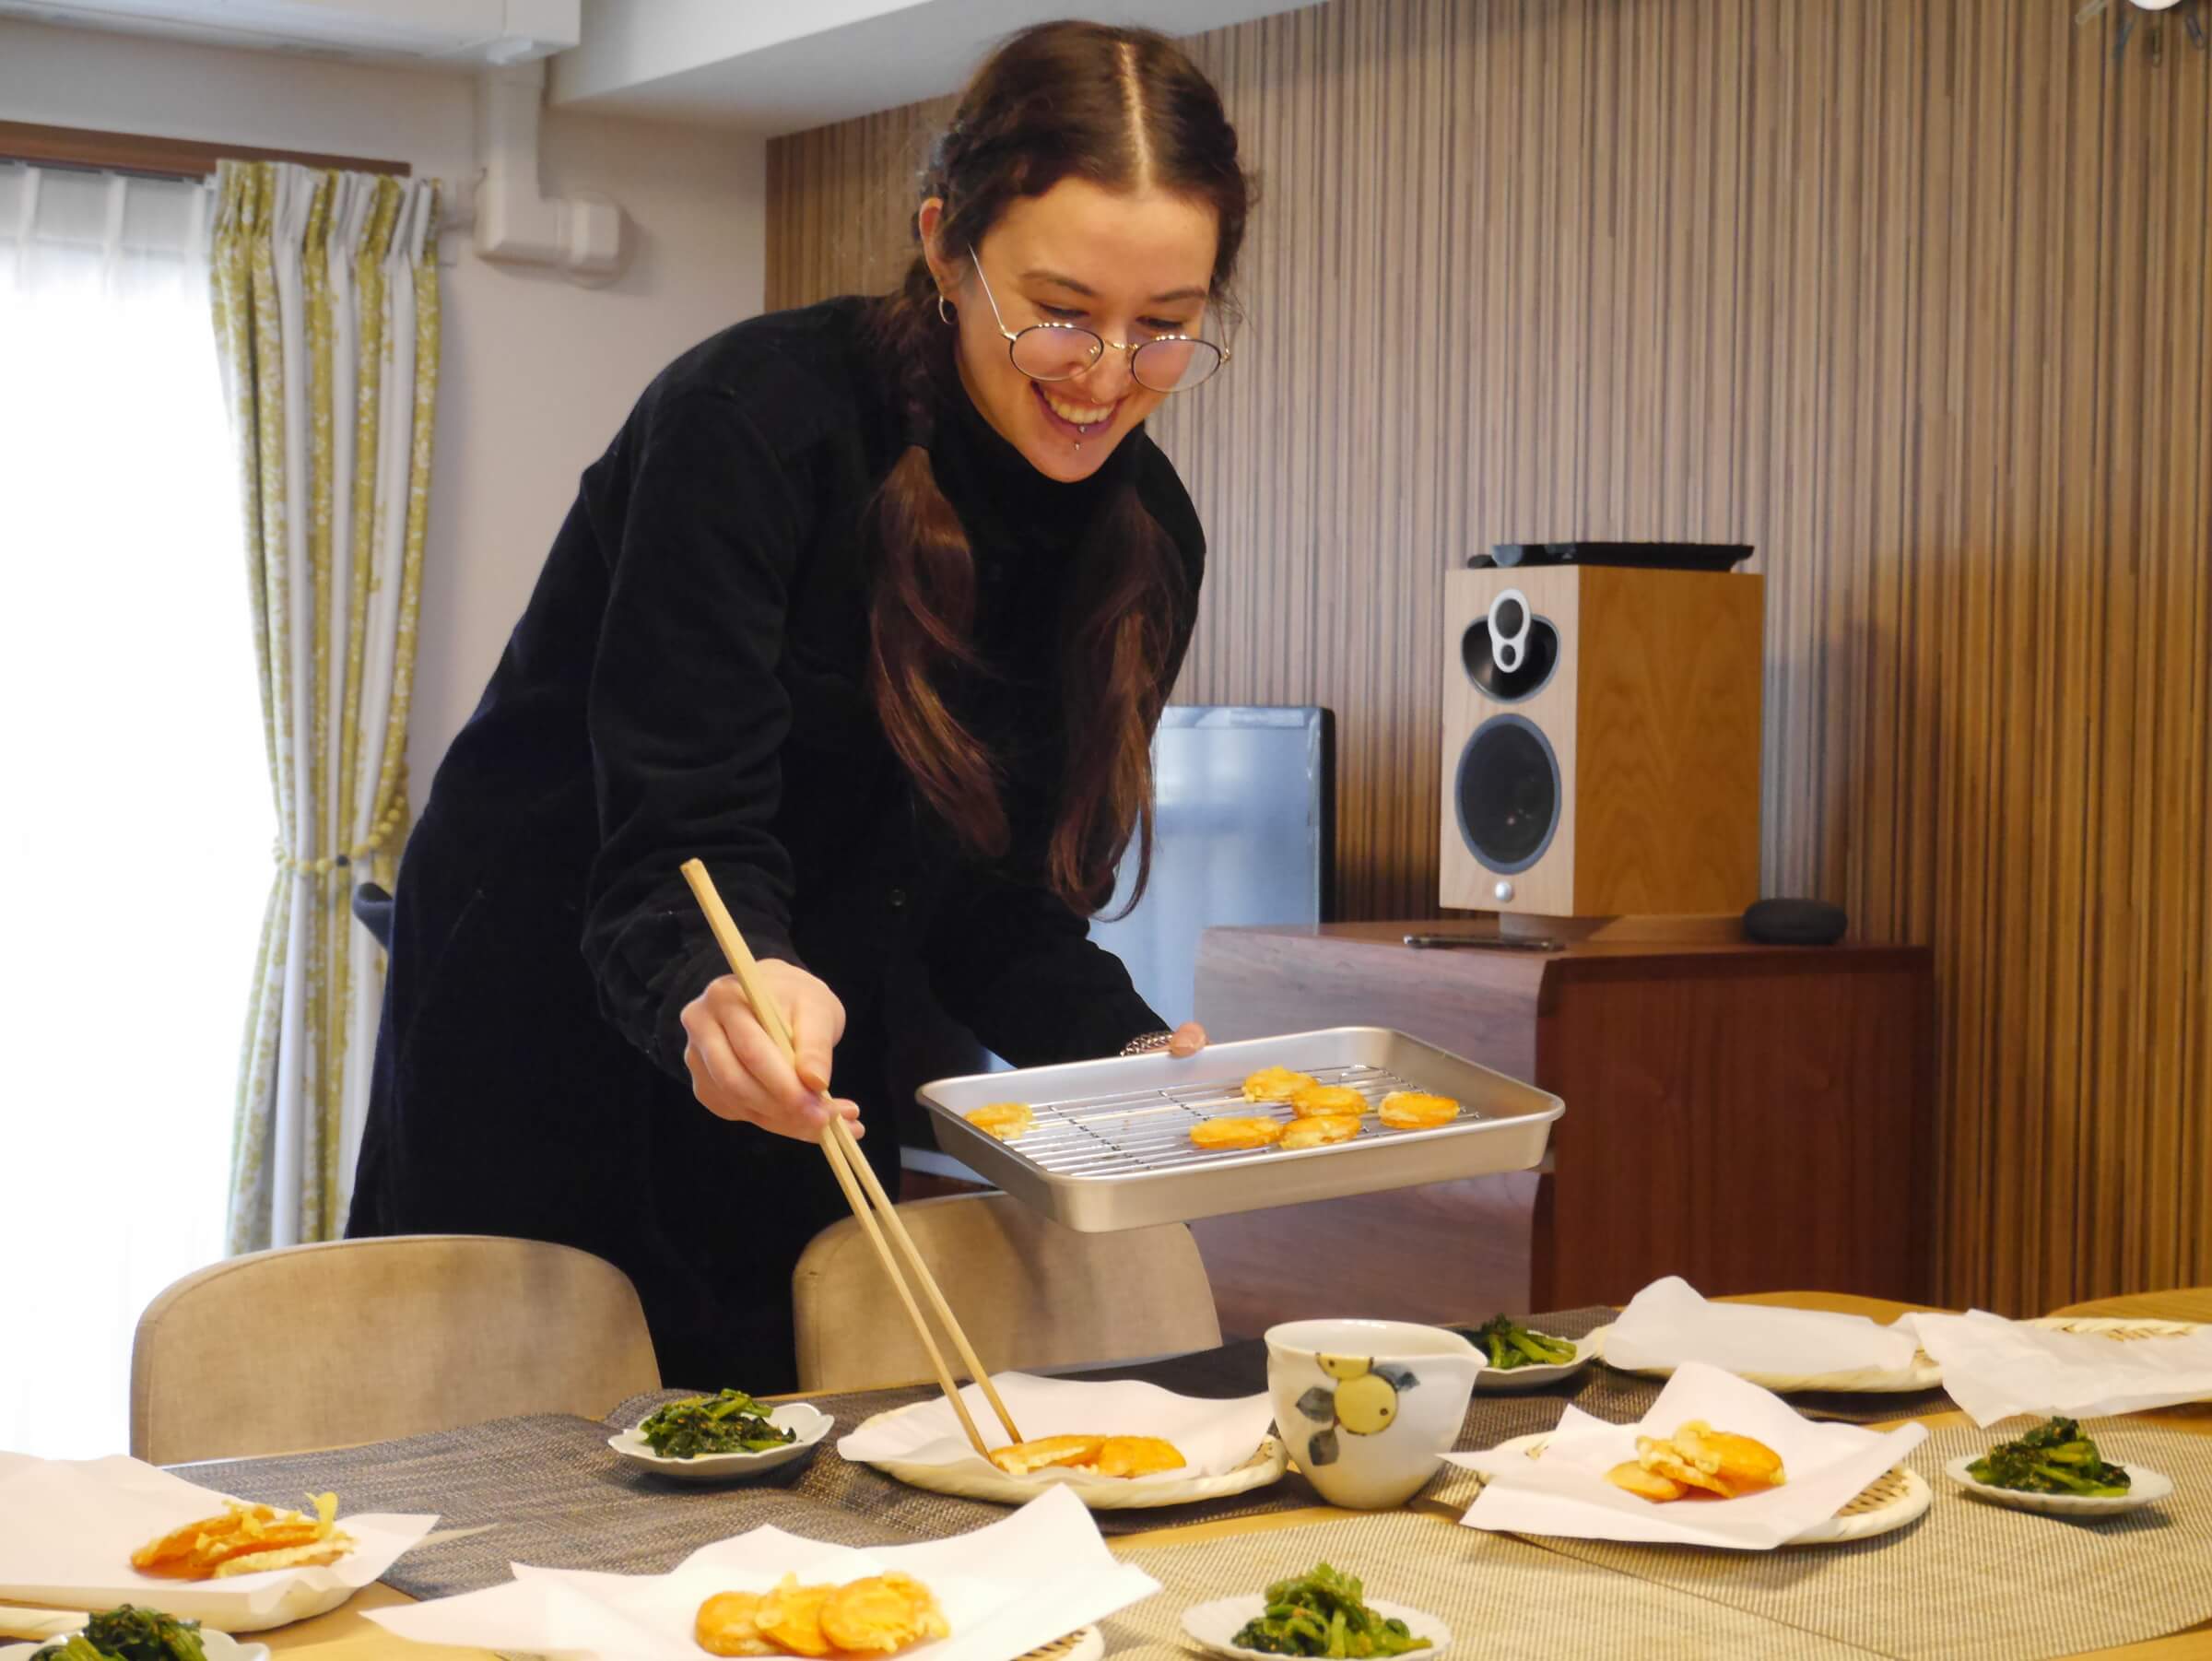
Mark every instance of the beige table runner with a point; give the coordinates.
(1502, 1598)
(1970, 1579)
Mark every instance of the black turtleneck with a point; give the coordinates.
(689, 679)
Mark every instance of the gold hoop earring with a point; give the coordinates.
(944, 311)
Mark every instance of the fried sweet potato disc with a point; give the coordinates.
(1317, 1100)
(882, 1615)
(729, 1624)
(1136, 1456)
(791, 1617)
(1275, 1084)
(1026, 1456)
(1005, 1120)
(1241, 1132)
(1415, 1109)
(1317, 1132)
(1644, 1484)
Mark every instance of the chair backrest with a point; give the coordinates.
(1029, 1293)
(359, 1340)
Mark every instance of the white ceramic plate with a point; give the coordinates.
(1500, 1380)
(1922, 1374)
(1214, 1625)
(2147, 1486)
(1899, 1497)
(966, 1482)
(811, 1424)
(220, 1646)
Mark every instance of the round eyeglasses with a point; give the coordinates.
(1060, 351)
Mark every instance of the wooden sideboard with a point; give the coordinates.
(1745, 1116)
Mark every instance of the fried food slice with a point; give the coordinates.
(1316, 1131)
(1005, 1120)
(791, 1617)
(245, 1539)
(1743, 1462)
(1662, 1456)
(1645, 1484)
(1136, 1456)
(882, 1615)
(284, 1557)
(1275, 1084)
(1242, 1131)
(1318, 1100)
(1026, 1456)
(729, 1624)
(1415, 1109)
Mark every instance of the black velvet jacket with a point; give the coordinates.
(689, 679)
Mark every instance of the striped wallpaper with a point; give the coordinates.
(1914, 295)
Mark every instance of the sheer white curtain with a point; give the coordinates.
(135, 840)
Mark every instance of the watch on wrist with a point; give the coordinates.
(1151, 1044)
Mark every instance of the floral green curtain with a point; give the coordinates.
(326, 316)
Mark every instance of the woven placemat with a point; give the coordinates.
(552, 1493)
(1972, 1579)
(1503, 1597)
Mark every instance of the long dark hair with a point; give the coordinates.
(1123, 108)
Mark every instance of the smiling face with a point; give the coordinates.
(1127, 265)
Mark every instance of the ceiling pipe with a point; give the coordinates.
(515, 221)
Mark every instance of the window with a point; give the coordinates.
(136, 847)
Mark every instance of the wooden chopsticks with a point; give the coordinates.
(855, 1175)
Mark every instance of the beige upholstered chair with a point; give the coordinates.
(1028, 1293)
(357, 1340)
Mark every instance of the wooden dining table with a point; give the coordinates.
(344, 1634)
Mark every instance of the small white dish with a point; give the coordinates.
(810, 1423)
(220, 1646)
(1213, 1624)
(2145, 1487)
(1503, 1380)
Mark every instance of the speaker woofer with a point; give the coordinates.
(1508, 793)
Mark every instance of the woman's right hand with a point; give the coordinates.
(738, 1071)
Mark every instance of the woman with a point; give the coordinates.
(873, 606)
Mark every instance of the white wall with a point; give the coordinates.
(537, 372)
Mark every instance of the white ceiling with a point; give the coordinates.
(766, 66)
(777, 67)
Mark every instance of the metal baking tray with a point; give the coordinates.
(1111, 1150)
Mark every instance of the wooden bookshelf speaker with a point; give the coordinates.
(1601, 744)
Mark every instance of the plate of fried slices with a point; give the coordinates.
(1898, 1496)
(144, 1537)
(1099, 1468)
(1118, 1444)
